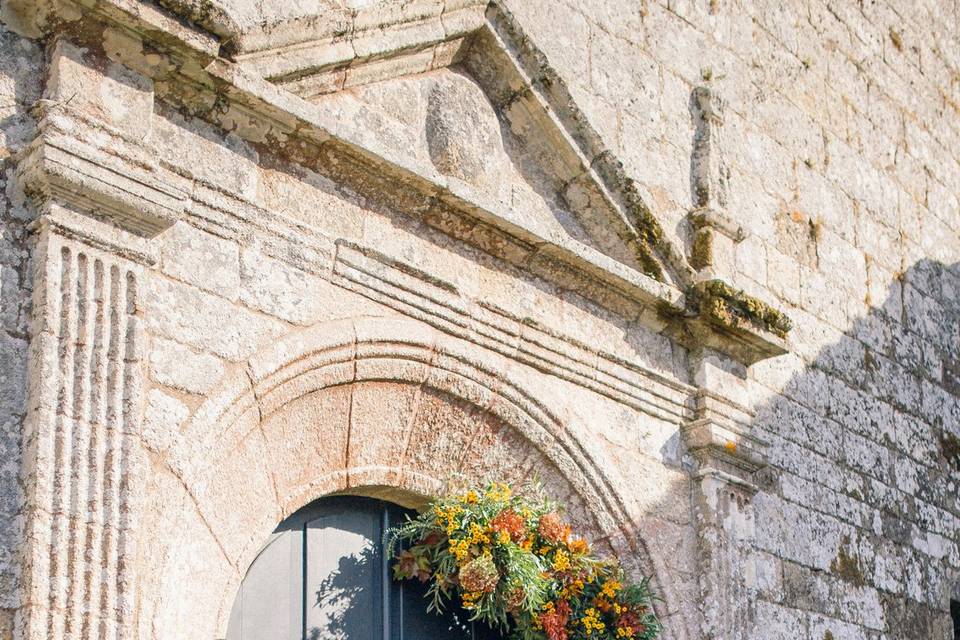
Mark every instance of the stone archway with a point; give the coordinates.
(361, 406)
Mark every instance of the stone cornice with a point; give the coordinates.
(58, 167)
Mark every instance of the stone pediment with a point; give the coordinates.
(451, 90)
(441, 110)
(455, 88)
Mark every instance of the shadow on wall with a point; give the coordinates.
(860, 503)
(341, 606)
(338, 596)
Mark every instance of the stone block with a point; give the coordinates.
(202, 260)
(180, 367)
(205, 322)
(162, 419)
(281, 290)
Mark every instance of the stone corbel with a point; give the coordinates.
(86, 162)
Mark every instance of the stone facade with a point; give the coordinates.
(693, 265)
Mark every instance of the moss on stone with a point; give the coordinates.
(728, 307)
(651, 243)
(701, 253)
(846, 566)
(196, 11)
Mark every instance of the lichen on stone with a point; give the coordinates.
(728, 307)
(651, 243)
(701, 253)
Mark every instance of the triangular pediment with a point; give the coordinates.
(440, 110)
(460, 92)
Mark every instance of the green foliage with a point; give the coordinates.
(513, 563)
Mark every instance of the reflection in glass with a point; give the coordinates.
(322, 576)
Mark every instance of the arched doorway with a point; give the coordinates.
(380, 408)
(324, 575)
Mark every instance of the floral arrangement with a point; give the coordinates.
(513, 563)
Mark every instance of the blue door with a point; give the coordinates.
(323, 575)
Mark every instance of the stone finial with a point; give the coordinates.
(709, 168)
(714, 232)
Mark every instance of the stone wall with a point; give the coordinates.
(283, 310)
(21, 66)
(842, 130)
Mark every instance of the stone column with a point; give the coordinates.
(726, 455)
(98, 202)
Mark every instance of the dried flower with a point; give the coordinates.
(554, 620)
(629, 623)
(511, 560)
(411, 565)
(515, 598)
(552, 529)
(510, 522)
(480, 575)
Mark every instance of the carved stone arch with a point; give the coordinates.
(372, 406)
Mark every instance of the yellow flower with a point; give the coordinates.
(471, 497)
(561, 561)
(527, 544)
(610, 588)
(624, 632)
(478, 535)
(503, 538)
(499, 491)
(572, 589)
(591, 622)
(460, 549)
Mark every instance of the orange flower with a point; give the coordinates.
(579, 546)
(552, 529)
(554, 621)
(510, 522)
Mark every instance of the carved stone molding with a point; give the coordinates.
(99, 197)
(84, 414)
(645, 271)
(715, 234)
(94, 166)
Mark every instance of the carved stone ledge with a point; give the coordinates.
(103, 236)
(720, 435)
(83, 161)
(720, 438)
(67, 173)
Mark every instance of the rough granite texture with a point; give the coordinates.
(299, 327)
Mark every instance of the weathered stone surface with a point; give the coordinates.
(204, 321)
(163, 416)
(181, 367)
(202, 260)
(434, 263)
